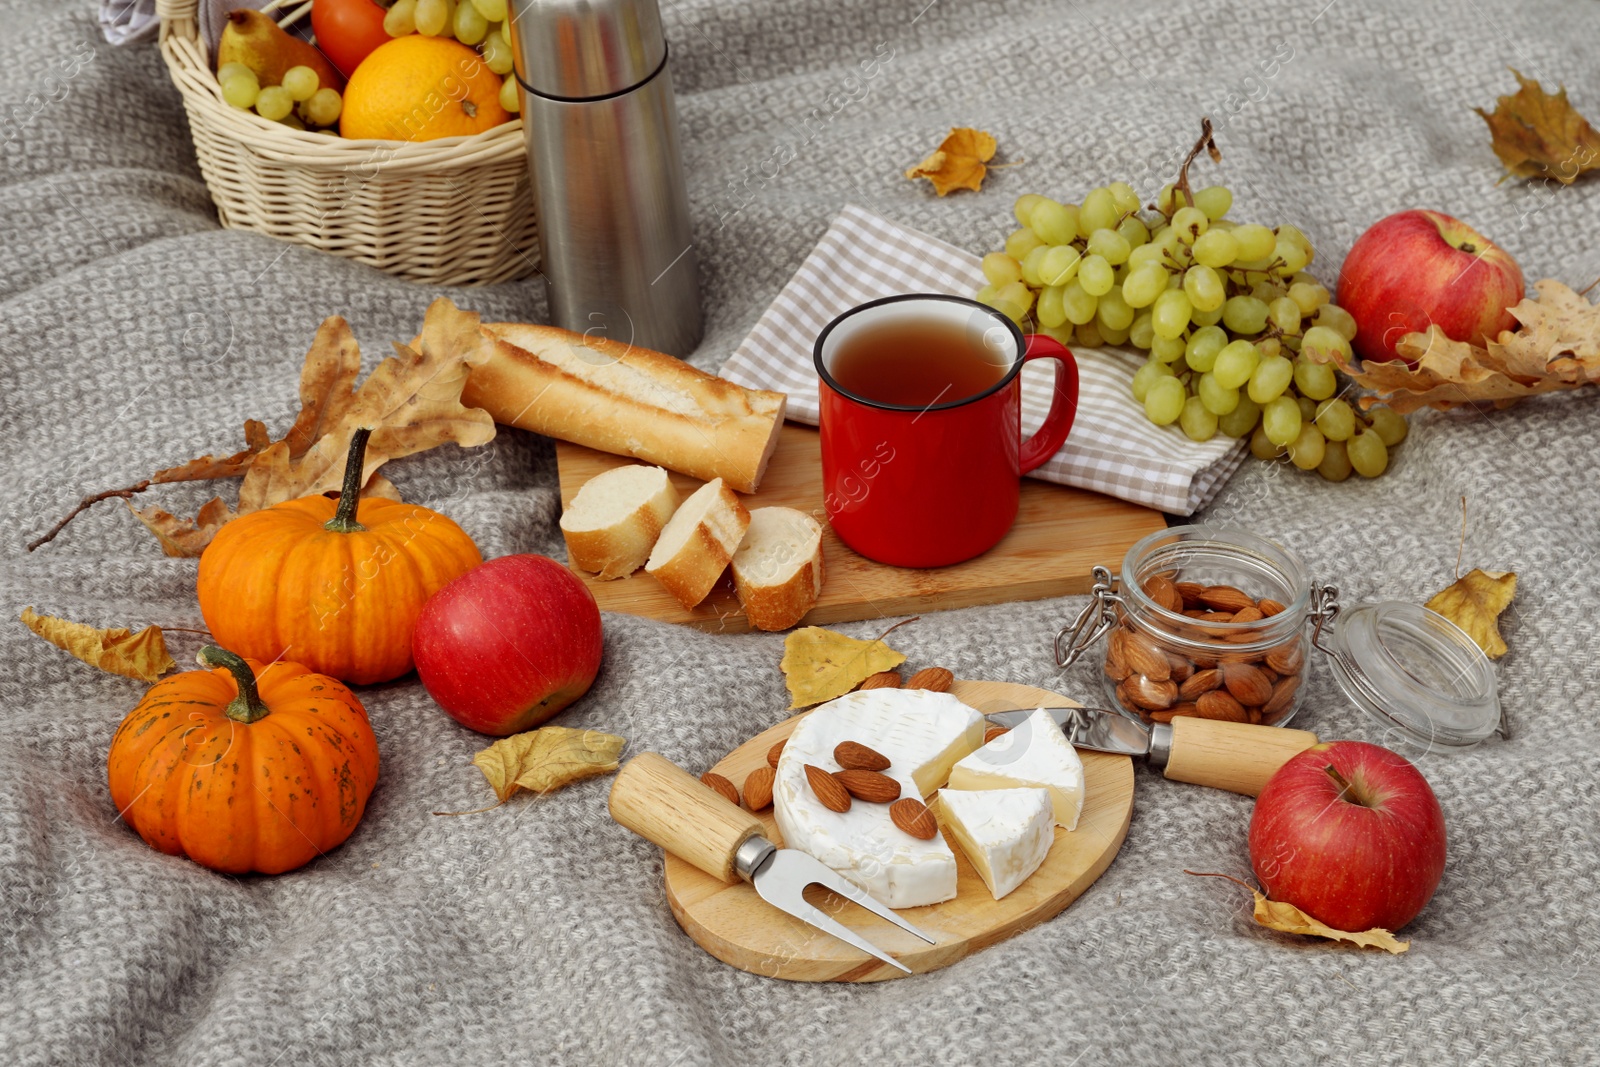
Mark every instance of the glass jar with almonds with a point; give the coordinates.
(1211, 622)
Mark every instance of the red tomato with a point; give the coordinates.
(347, 30)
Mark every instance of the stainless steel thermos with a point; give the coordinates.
(608, 185)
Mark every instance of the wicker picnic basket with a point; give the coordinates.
(453, 211)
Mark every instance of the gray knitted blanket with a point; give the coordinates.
(135, 333)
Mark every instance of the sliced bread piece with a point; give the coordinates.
(614, 520)
(778, 568)
(699, 540)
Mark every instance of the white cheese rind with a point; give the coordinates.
(1006, 833)
(923, 734)
(1033, 753)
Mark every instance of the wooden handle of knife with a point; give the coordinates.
(662, 803)
(1234, 756)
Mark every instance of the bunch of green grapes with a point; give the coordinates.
(1239, 334)
(298, 102)
(478, 23)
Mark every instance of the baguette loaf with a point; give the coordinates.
(612, 524)
(778, 569)
(626, 400)
(699, 540)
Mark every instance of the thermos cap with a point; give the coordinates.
(580, 49)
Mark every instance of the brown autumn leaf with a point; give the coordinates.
(116, 649)
(1474, 603)
(412, 402)
(958, 162)
(1286, 918)
(1539, 135)
(819, 664)
(546, 759)
(1556, 346)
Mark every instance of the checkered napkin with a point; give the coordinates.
(1113, 449)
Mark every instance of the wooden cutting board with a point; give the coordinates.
(737, 927)
(1059, 535)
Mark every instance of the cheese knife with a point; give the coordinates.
(662, 803)
(1235, 756)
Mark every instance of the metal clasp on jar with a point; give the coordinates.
(1093, 622)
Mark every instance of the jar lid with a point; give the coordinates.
(1415, 672)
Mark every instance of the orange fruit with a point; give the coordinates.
(418, 88)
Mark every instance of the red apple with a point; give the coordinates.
(508, 644)
(1351, 834)
(1422, 268)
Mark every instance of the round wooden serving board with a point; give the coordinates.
(736, 926)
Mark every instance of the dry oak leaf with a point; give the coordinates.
(1474, 603)
(546, 759)
(958, 162)
(116, 649)
(1556, 346)
(1282, 916)
(1537, 135)
(819, 665)
(411, 401)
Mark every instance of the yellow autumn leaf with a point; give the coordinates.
(546, 759)
(116, 649)
(1474, 603)
(1278, 915)
(958, 162)
(1286, 918)
(819, 664)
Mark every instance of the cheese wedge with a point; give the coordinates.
(1006, 833)
(923, 734)
(1033, 753)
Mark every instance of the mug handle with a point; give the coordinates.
(1049, 438)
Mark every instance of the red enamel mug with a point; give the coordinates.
(933, 484)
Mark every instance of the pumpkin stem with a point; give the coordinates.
(344, 520)
(247, 707)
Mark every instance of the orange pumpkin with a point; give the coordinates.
(336, 586)
(244, 767)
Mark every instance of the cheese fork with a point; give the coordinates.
(662, 803)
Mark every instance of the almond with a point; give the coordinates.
(1161, 716)
(1123, 698)
(1182, 669)
(1116, 659)
(913, 816)
(1219, 705)
(828, 789)
(1250, 614)
(882, 680)
(1243, 637)
(1226, 598)
(1247, 684)
(1255, 716)
(870, 786)
(852, 755)
(1190, 592)
(1151, 695)
(993, 732)
(1185, 708)
(721, 785)
(1269, 608)
(1282, 696)
(1287, 657)
(775, 751)
(1216, 616)
(1161, 589)
(1196, 613)
(758, 788)
(1145, 659)
(933, 679)
(1200, 682)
